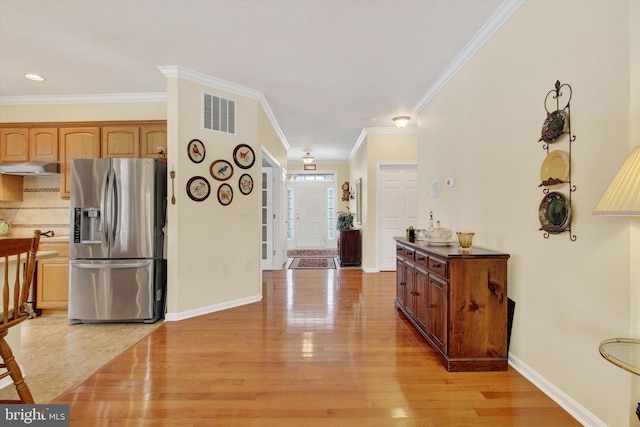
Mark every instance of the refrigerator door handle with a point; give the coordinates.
(111, 266)
(109, 214)
(115, 208)
(104, 225)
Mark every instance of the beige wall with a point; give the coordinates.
(214, 257)
(83, 112)
(380, 145)
(270, 140)
(482, 130)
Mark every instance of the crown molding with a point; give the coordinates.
(499, 17)
(206, 80)
(110, 98)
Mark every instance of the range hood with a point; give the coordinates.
(30, 169)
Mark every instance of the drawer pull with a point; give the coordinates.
(399, 249)
(421, 258)
(402, 283)
(436, 265)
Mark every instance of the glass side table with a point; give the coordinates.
(624, 353)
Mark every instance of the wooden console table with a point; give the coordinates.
(457, 301)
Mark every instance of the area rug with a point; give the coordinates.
(312, 253)
(313, 263)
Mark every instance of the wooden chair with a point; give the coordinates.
(16, 253)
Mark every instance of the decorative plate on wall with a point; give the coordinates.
(225, 194)
(244, 156)
(555, 169)
(553, 126)
(198, 188)
(195, 150)
(554, 212)
(221, 170)
(245, 183)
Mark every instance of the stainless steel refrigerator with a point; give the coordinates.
(117, 271)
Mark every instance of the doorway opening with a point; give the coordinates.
(311, 210)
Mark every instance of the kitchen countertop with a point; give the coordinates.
(40, 255)
(43, 239)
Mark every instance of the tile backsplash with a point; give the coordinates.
(41, 208)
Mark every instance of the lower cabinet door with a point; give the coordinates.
(52, 287)
(437, 323)
(422, 300)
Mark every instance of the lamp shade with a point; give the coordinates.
(623, 195)
(308, 159)
(401, 121)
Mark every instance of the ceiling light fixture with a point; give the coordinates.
(34, 77)
(308, 159)
(401, 121)
(623, 195)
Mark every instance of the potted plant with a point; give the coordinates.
(345, 220)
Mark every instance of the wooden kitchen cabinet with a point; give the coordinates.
(52, 278)
(457, 301)
(153, 138)
(76, 143)
(43, 144)
(20, 145)
(120, 141)
(14, 145)
(349, 248)
(11, 188)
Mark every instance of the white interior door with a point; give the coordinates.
(310, 214)
(266, 219)
(397, 207)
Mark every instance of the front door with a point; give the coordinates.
(310, 214)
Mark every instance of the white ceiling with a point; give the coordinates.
(327, 68)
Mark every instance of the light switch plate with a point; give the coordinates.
(434, 189)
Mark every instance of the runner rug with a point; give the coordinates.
(315, 253)
(313, 263)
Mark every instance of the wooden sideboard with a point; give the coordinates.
(457, 301)
(349, 248)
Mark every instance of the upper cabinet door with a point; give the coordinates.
(76, 143)
(153, 140)
(43, 144)
(121, 141)
(14, 145)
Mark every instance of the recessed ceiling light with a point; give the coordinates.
(34, 77)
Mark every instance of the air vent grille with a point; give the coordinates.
(219, 114)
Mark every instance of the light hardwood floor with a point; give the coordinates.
(323, 348)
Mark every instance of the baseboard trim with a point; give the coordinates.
(576, 410)
(173, 317)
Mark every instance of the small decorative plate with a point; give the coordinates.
(225, 194)
(554, 212)
(245, 183)
(555, 169)
(195, 150)
(553, 126)
(198, 188)
(244, 156)
(221, 170)
(5, 227)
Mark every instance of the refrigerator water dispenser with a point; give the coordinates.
(87, 227)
